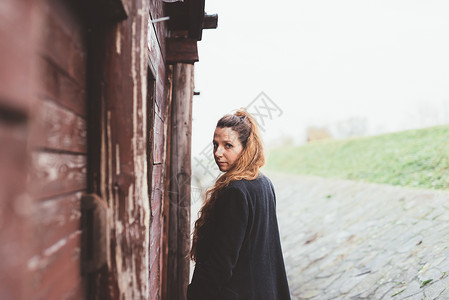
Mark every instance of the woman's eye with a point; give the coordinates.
(228, 146)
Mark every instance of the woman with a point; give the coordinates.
(236, 243)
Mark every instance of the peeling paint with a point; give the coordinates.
(117, 159)
(134, 80)
(142, 162)
(126, 272)
(103, 153)
(135, 120)
(107, 159)
(109, 139)
(41, 261)
(118, 39)
(131, 203)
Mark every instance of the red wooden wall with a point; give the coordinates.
(16, 90)
(58, 148)
(129, 101)
(85, 108)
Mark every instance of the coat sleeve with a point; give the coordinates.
(231, 218)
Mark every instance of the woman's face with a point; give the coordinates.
(227, 148)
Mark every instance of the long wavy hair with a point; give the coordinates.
(247, 166)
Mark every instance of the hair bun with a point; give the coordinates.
(241, 113)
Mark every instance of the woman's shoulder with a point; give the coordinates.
(244, 184)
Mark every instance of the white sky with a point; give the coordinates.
(323, 61)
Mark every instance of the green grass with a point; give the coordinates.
(414, 158)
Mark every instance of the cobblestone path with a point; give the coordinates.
(349, 240)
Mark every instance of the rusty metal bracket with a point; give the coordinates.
(95, 240)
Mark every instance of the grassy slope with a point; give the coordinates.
(416, 158)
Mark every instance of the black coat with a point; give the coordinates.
(239, 252)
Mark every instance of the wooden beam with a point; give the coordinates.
(181, 50)
(180, 179)
(187, 15)
(102, 10)
(210, 21)
(196, 16)
(166, 205)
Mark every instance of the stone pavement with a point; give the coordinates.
(348, 240)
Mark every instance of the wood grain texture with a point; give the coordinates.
(158, 143)
(155, 53)
(59, 129)
(15, 230)
(17, 36)
(180, 177)
(165, 212)
(182, 50)
(58, 150)
(57, 218)
(161, 98)
(63, 40)
(156, 12)
(56, 270)
(57, 85)
(55, 174)
(156, 188)
(125, 155)
(155, 237)
(18, 32)
(156, 230)
(58, 153)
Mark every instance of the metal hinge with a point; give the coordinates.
(95, 241)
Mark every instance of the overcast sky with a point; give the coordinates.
(322, 62)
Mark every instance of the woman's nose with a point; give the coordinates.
(218, 152)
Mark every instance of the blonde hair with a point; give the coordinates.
(246, 167)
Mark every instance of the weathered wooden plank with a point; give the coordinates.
(58, 86)
(210, 21)
(155, 238)
(63, 30)
(108, 10)
(121, 87)
(56, 270)
(94, 223)
(16, 59)
(16, 240)
(158, 142)
(78, 292)
(182, 50)
(54, 219)
(13, 160)
(166, 186)
(160, 95)
(155, 54)
(18, 32)
(195, 21)
(156, 187)
(70, 287)
(155, 252)
(157, 12)
(186, 17)
(180, 175)
(155, 283)
(54, 173)
(59, 129)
